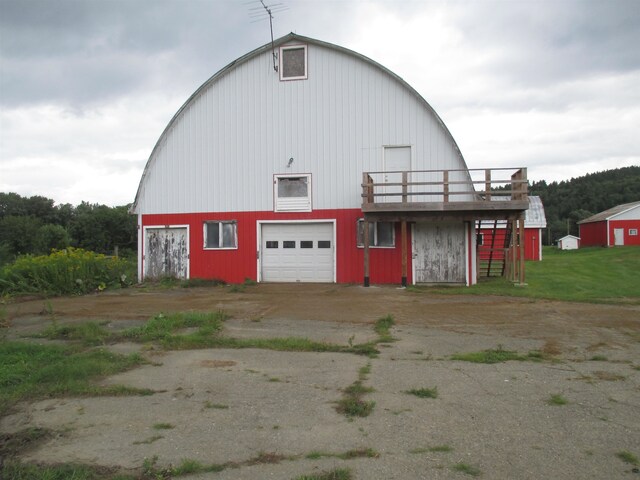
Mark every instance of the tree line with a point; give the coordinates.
(567, 202)
(35, 225)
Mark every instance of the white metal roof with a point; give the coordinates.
(616, 211)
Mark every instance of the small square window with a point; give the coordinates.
(293, 62)
(220, 234)
(306, 244)
(633, 232)
(272, 244)
(289, 244)
(292, 193)
(324, 243)
(381, 234)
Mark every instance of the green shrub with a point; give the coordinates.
(64, 272)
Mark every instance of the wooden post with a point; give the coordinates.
(521, 237)
(366, 252)
(404, 187)
(403, 239)
(487, 185)
(445, 184)
(514, 249)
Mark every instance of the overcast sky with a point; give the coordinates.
(87, 86)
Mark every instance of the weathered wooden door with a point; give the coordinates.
(618, 236)
(166, 252)
(438, 252)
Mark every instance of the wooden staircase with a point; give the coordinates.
(492, 251)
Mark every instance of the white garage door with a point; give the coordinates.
(297, 252)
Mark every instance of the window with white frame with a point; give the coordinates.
(292, 193)
(220, 234)
(293, 62)
(633, 232)
(381, 234)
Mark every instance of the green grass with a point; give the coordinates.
(87, 333)
(466, 468)
(557, 400)
(382, 328)
(337, 474)
(348, 455)
(497, 355)
(162, 327)
(68, 471)
(29, 371)
(424, 392)
(434, 449)
(595, 275)
(628, 457)
(355, 407)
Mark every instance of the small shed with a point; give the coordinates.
(617, 226)
(569, 242)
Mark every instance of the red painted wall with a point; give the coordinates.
(626, 225)
(234, 266)
(594, 234)
(531, 245)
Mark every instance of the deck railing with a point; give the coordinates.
(445, 186)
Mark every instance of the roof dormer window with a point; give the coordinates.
(293, 62)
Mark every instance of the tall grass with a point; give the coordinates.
(64, 272)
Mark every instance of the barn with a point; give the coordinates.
(494, 236)
(614, 227)
(303, 161)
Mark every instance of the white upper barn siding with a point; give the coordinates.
(221, 150)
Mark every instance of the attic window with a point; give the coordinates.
(292, 193)
(293, 62)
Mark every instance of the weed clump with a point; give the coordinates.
(424, 392)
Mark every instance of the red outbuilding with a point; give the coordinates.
(491, 238)
(614, 227)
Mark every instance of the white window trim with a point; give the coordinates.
(204, 234)
(633, 232)
(281, 58)
(303, 205)
(375, 235)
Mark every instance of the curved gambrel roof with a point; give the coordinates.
(258, 51)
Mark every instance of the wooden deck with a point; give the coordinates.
(476, 194)
(450, 195)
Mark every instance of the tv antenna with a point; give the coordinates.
(258, 14)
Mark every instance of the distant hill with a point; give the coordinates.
(567, 202)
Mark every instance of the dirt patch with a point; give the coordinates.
(269, 414)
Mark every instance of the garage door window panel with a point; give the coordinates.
(220, 235)
(381, 234)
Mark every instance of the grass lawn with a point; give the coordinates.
(598, 275)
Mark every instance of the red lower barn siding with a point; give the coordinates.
(626, 225)
(234, 266)
(532, 249)
(593, 234)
